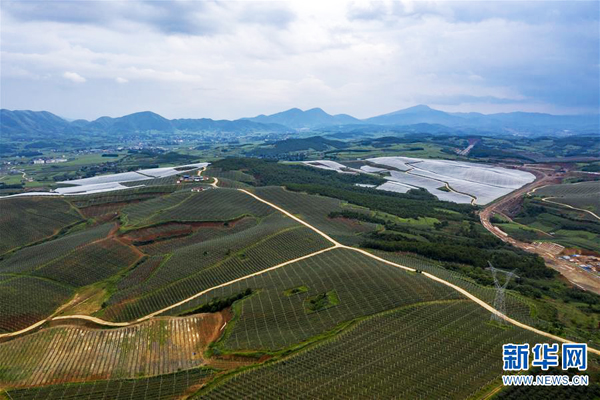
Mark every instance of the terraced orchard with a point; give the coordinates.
(25, 221)
(172, 386)
(75, 354)
(273, 318)
(584, 195)
(163, 292)
(441, 349)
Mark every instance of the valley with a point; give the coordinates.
(199, 249)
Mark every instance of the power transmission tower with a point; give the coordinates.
(499, 303)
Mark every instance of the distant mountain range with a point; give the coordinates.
(415, 119)
(309, 119)
(43, 122)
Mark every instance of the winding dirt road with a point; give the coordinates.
(577, 276)
(336, 245)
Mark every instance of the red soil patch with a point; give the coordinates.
(171, 230)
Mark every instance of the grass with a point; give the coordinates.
(321, 301)
(295, 290)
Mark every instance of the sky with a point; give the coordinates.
(234, 59)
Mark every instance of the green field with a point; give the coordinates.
(583, 195)
(272, 320)
(431, 350)
(238, 312)
(37, 219)
(160, 387)
(549, 222)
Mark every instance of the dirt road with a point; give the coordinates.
(577, 276)
(335, 246)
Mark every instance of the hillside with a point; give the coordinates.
(286, 146)
(309, 119)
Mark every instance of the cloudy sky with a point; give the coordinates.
(85, 59)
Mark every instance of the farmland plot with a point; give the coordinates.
(214, 205)
(198, 256)
(483, 193)
(138, 214)
(30, 258)
(237, 176)
(331, 166)
(170, 386)
(202, 234)
(479, 173)
(398, 163)
(91, 263)
(485, 182)
(25, 300)
(516, 307)
(27, 220)
(273, 319)
(87, 184)
(585, 195)
(210, 205)
(432, 186)
(123, 196)
(316, 209)
(435, 350)
(75, 354)
(189, 271)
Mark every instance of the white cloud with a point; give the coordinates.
(265, 57)
(74, 77)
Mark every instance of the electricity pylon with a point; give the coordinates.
(499, 303)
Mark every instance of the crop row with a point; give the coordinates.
(36, 218)
(567, 190)
(30, 258)
(444, 350)
(74, 354)
(516, 306)
(90, 263)
(214, 205)
(230, 175)
(25, 300)
(137, 214)
(203, 234)
(273, 319)
(121, 196)
(315, 210)
(284, 246)
(199, 256)
(171, 386)
(231, 184)
(167, 180)
(210, 205)
(141, 272)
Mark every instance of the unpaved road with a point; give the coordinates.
(335, 246)
(577, 276)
